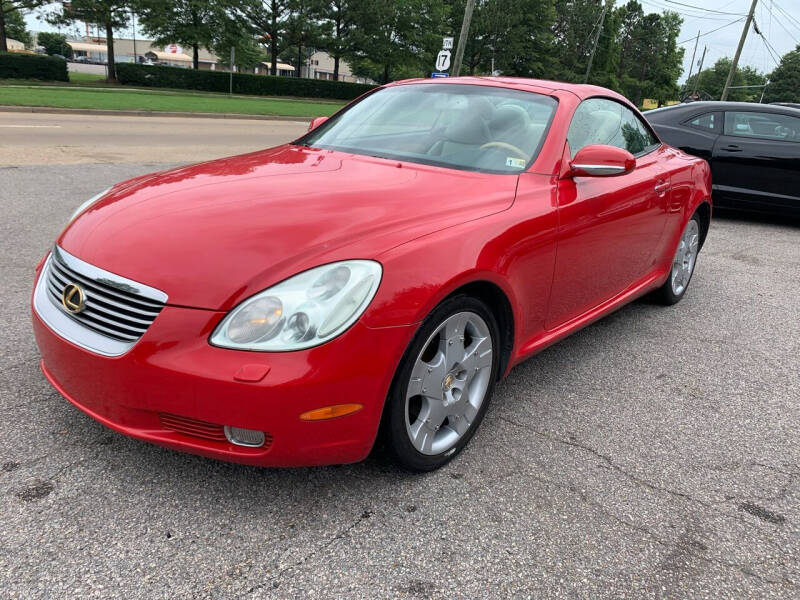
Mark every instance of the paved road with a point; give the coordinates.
(654, 454)
(38, 139)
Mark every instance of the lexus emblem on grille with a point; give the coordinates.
(73, 299)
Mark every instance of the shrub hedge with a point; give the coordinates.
(219, 81)
(15, 65)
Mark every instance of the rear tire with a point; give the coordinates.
(683, 265)
(444, 384)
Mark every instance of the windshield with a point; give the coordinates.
(471, 127)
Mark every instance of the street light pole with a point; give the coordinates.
(736, 56)
(462, 38)
(133, 24)
(233, 60)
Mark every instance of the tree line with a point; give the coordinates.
(633, 51)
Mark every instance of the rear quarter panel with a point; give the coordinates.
(690, 186)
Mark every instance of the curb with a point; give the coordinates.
(147, 113)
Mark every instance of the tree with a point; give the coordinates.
(784, 81)
(394, 39)
(108, 14)
(267, 19)
(248, 53)
(54, 43)
(712, 81)
(302, 28)
(574, 31)
(10, 13)
(194, 23)
(15, 28)
(337, 25)
(526, 46)
(650, 60)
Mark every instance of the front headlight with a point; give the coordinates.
(87, 204)
(306, 310)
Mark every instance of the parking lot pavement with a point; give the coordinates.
(654, 454)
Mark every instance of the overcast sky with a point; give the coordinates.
(778, 21)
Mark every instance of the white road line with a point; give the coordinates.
(31, 126)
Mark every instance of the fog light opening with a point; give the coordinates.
(244, 437)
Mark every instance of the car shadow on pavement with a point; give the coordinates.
(726, 214)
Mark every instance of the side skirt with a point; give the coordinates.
(548, 337)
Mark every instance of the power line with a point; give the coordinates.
(769, 47)
(719, 12)
(664, 7)
(713, 30)
(791, 18)
(773, 53)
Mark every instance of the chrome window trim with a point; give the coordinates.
(72, 330)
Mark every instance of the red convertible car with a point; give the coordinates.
(377, 275)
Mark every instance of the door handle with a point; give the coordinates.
(661, 187)
(731, 148)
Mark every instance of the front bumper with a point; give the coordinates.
(172, 370)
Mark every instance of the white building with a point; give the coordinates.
(14, 45)
(320, 66)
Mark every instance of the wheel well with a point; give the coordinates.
(498, 303)
(703, 212)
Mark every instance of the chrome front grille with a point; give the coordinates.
(114, 311)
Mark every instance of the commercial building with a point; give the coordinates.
(319, 65)
(14, 45)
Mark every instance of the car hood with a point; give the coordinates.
(212, 234)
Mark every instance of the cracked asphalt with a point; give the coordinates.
(655, 454)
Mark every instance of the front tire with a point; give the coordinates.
(683, 265)
(444, 384)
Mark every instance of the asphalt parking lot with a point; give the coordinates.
(653, 454)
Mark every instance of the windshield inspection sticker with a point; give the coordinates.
(517, 163)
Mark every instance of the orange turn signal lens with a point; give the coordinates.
(331, 412)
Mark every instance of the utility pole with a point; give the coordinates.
(694, 53)
(736, 56)
(699, 70)
(594, 45)
(462, 38)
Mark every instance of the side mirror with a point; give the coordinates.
(316, 122)
(601, 161)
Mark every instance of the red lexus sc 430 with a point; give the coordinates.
(378, 274)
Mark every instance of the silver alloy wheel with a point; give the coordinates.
(685, 258)
(448, 383)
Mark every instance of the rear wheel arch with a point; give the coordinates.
(703, 212)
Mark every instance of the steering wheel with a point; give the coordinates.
(785, 132)
(510, 147)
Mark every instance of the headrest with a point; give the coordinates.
(509, 117)
(481, 106)
(468, 131)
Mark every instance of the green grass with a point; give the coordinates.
(135, 99)
(75, 77)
